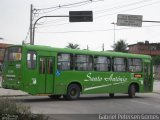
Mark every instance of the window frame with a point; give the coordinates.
(44, 66)
(113, 64)
(35, 60)
(6, 54)
(135, 65)
(71, 61)
(92, 62)
(50, 67)
(109, 64)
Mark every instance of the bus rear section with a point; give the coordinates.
(148, 76)
(12, 68)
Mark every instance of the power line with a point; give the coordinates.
(53, 25)
(76, 4)
(59, 6)
(104, 30)
(52, 21)
(37, 11)
(96, 12)
(121, 6)
(128, 9)
(99, 17)
(27, 35)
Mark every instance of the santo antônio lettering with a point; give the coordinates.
(111, 77)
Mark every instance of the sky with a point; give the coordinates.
(58, 32)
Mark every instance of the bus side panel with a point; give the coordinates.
(93, 82)
(109, 83)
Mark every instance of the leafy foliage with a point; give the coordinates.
(120, 46)
(10, 108)
(156, 60)
(72, 46)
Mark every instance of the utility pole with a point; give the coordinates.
(87, 47)
(103, 47)
(114, 32)
(31, 16)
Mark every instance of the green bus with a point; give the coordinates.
(44, 70)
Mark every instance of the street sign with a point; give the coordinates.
(129, 20)
(80, 16)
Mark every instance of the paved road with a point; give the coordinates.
(89, 107)
(94, 104)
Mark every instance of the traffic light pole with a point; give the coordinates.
(74, 16)
(34, 25)
(151, 21)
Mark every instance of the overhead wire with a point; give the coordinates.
(38, 11)
(60, 24)
(71, 5)
(52, 21)
(135, 8)
(103, 30)
(27, 35)
(122, 6)
(64, 5)
(108, 11)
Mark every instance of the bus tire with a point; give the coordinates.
(111, 95)
(73, 92)
(132, 91)
(56, 97)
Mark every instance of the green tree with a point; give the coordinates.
(120, 46)
(72, 46)
(156, 60)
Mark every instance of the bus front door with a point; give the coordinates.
(45, 81)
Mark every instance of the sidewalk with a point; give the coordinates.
(156, 86)
(9, 92)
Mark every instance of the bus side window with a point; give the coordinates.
(119, 64)
(83, 62)
(102, 63)
(64, 61)
(134, 65)
(31, 59)
(50, 66)
(42, 66)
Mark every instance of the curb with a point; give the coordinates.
(13, 95)
(156, 92)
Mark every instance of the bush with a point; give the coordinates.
(9, 109)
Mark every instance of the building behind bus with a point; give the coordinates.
(147, 48)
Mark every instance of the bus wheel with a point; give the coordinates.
(111, 95)
(73, 92)
(132, 91)
(56, 97)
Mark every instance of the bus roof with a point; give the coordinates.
(87, 52)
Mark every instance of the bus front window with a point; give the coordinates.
(13, 54)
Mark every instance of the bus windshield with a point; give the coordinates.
(13, 54)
